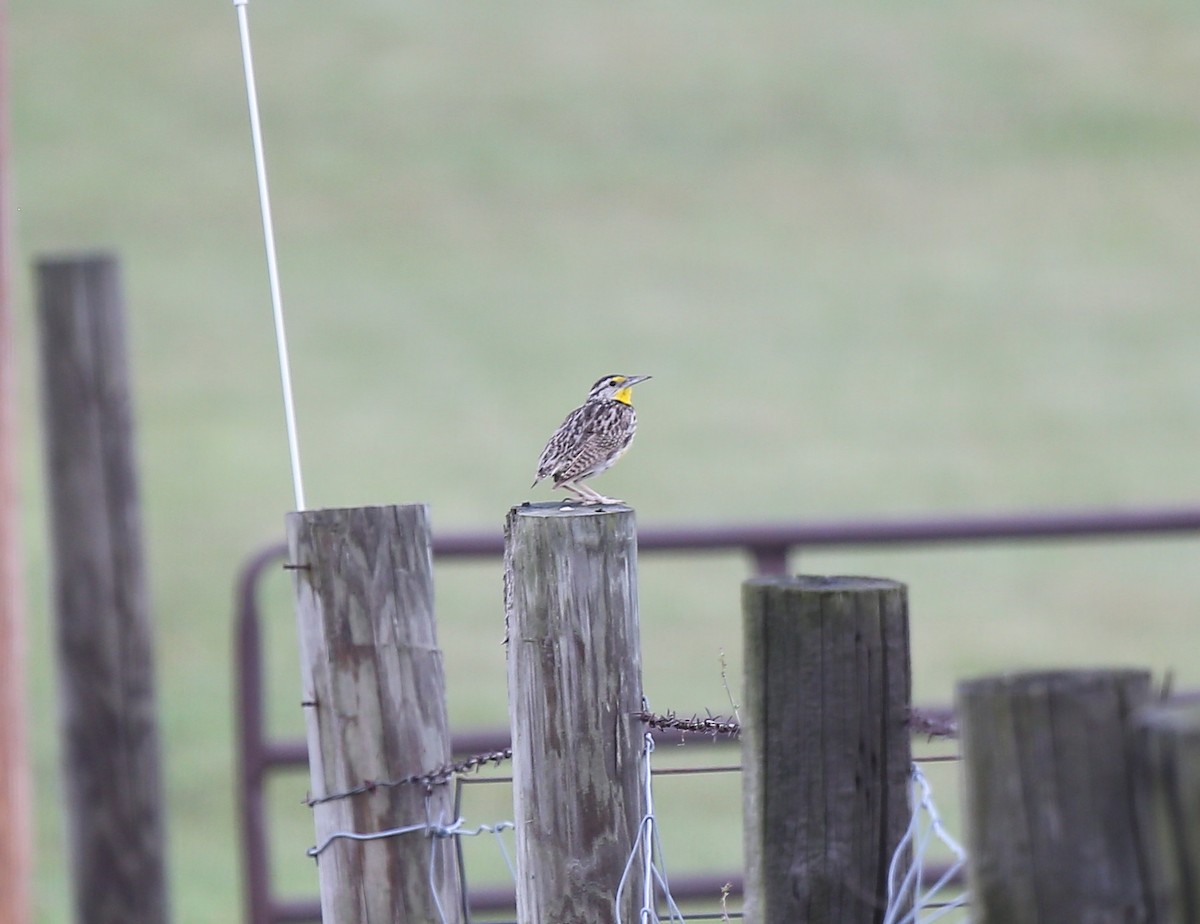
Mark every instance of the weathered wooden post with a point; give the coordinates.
(826, 747)
(1167, 779)
(375, 697)
(114, 808)
(1048, 796)
(575, 687)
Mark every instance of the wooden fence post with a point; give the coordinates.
(114, 812)
(575, 685)
(1048, 796)
(375, 697)
(826, 747)
(1167, 767)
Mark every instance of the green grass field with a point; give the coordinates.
(880, 258)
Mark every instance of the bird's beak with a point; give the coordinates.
(634, 379)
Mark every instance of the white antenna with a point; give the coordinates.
(264, 201)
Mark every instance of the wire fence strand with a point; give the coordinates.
(907, 903)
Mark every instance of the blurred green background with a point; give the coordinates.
(881, 258)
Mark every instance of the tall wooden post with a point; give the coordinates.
(16, 842)
(1167, 774)
(1048, 794)
(375, 694)
(826, 747)
(574, 679)
(114, 808)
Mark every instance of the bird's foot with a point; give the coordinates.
(601, 499)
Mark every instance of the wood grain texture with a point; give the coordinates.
(826, 749)
(1167, 782)
(574, 676)
(1048, 798)
(371, 665)
(114, 812)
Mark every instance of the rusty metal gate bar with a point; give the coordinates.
(769, 547)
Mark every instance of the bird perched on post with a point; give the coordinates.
(592, 438)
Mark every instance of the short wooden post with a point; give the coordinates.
(375, 696)
(826, 747)
(1167, 765)
(114, 811)
(1048, 796)
(574, 678)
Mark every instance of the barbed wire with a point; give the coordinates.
(932, 723)
(436, 777)
(444, 774)
(708, 724)
(904, 898)
(924, 722)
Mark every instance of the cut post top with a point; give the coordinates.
(86, 260)
(1037, 682)
(833, 584)
(1172, 717)
(559, 509)
(338, 512)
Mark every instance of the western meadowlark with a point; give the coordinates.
(592, 438)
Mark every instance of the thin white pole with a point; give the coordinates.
(264, 201)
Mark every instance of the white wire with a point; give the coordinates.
(918, 837)
(648, 843)
(648, 855)
(264, 201)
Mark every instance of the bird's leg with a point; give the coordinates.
(589, 496)
(595, 497)
(575, 489)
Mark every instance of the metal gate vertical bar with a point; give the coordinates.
(260, 907)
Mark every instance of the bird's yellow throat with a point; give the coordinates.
(625, 396)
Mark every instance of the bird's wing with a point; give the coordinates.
(568, 433)
(598, 437)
